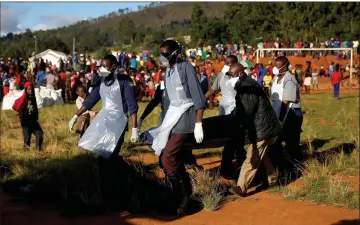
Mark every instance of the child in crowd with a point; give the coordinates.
(84, 120)
(267, 84)
(26, 106)
(315, 79)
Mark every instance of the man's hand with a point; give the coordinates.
(198, 132)
(72, 122)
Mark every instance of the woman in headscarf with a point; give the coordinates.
(29, 115)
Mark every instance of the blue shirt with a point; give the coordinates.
(133, 63)
(127, 95)
(40, 77)
(75, 59)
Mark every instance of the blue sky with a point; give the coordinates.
(18, 16)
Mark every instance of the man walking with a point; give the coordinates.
(183, 119)
(257, 117)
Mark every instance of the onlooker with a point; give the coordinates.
(307, 81)
(26, 106)
(335, 80)
(315, 80)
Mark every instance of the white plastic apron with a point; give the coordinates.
(228, 93)
(105, 130)
(179, 104)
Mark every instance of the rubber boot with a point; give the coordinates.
(182, 187)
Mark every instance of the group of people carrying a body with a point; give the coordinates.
(246, 116)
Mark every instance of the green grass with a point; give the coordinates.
(71, 173)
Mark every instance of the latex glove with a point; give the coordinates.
(140, 123)
(198, 132)
(134, 135)
(90, 89)
(72, 122)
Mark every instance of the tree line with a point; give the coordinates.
(310, 21)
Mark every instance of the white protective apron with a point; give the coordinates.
(179, 104)
(228, 93)
(105, 130)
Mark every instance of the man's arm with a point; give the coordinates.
(129, 93)
(90, 101)
(153, 103)
(195, 92)
(215, 87)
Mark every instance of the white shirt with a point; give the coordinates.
(79, 104)
(355, 44)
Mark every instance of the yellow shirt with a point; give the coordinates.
(267, 81)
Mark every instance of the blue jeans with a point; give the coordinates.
(336, 90)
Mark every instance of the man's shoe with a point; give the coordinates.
(237, 191)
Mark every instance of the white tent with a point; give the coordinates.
(50, 55)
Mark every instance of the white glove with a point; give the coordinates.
(134, 135)
(140, 123)
(198, 132)
(72, 122)
(90, 89)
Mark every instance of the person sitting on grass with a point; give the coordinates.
(28, 112)
(84, 120)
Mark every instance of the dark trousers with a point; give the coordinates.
(234, 147)
(118, 145)
(28, 130)
(172, 157)
(291, 136)
(336, 90)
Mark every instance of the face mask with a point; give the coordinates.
(233, 81)
(225, 69)
(164, 61)
(103, 72)
(247, 71)
(276, 71)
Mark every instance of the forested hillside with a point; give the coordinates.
(207, 23)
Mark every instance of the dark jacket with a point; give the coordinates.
(254, 110)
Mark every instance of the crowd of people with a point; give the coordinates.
(246, 51)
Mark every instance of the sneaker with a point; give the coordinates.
(237, 191)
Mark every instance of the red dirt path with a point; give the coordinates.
(258, 209)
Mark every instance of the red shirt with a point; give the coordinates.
(93, 67)
(335, 77)
(299, 44)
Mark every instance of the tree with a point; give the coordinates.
(198, 20)
(127, 30)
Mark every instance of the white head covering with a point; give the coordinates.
(244, 64)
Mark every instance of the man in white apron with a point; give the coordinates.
(183, 119)
(189, 158)
(285, 93)
(257, 117)
(226, 107)
(106, 132)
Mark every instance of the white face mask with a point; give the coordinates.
(225, 69)
(103, 72)
(276, 71)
